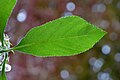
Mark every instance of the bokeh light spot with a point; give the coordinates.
(70, 6)
(68, 14)
(22, 15)
(64, 74)
(106, 49)
(98, 64)
(103, 76)
(92, 61)
(113, 36)
(117, 57)
(98, 7)
(104, 24)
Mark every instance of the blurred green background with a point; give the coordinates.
(102, 62)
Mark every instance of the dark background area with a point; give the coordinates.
(102, 62)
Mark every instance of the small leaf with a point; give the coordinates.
(6, 7)
(62, 37)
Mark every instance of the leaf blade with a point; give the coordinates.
(6, 7)
(59, 37)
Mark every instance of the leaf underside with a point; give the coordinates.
(6, 7)
(65, 36)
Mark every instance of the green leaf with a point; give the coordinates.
(6, 7)
(62, 37)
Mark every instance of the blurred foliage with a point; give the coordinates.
(101, 61)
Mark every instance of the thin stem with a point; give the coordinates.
(6, 50)
(3, 66)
